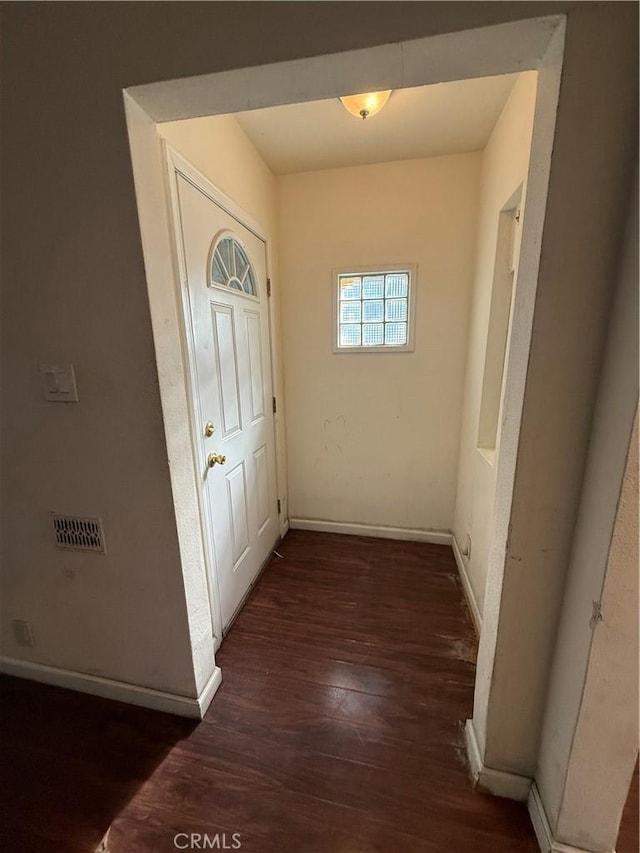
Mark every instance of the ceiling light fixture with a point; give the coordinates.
(363, 106)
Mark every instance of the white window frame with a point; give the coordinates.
(388, 349)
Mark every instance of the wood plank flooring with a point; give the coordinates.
(629, 837)
(337, 729)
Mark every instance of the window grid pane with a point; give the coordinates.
(395, 333)
(373, 310)
(373, 287)
(350, 312)
(350, 335)
(396, 284)
(350, 287)
(373, 334)
(395, 310)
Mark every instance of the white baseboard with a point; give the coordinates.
(546, 841)
(284, 527)
(208, 692)
(469, 594)
(497, 782)
(121, 691)
(408, 534)
(103, 847)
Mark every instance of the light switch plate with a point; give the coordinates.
(23, 633)
(59, 383)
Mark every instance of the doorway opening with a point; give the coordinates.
(420, 63)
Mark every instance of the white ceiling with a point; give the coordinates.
(427, 121)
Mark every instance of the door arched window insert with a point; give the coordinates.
(230, 266)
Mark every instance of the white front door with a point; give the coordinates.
(226, 272)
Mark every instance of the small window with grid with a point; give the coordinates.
(374, 310)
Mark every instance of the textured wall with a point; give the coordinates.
(504, 167)
(74, 289)
(373, 438)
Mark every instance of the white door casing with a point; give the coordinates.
(228, 339)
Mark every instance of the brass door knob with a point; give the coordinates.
(215, 459)
(209, 429)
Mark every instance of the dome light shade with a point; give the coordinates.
(363, 106)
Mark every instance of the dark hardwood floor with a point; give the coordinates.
(629, 837)
(337, 729)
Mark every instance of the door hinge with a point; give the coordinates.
(275, 405)
(279, 507)
(268, 287)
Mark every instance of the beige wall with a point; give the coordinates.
(585, 684)
(504, 165)
(605, 744)
(74, 289)
(373, 438)
(218, 147)
(540, 477)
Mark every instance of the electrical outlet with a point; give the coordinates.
(466, 548)
(23, 633)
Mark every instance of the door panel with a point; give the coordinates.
(238, 510)
(233, 388)
(255, 364)
(226, 364)
(262, 485)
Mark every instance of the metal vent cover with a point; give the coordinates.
(78, 533)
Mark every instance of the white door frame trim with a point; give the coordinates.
(536, 44)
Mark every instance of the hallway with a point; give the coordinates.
(338, 726)
(346, 680)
